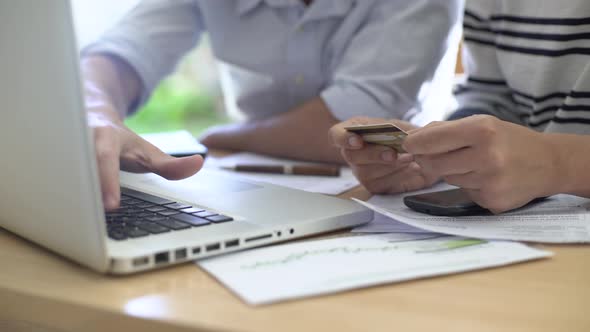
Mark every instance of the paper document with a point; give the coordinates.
(384, 224)
(317, 267)
(558, 219)
(319, 184)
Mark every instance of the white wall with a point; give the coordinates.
(93, 17)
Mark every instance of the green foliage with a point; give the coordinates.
(173, 107)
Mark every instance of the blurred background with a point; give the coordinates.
(188, 99)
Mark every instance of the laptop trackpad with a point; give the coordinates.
(203, 184)
(218, 184)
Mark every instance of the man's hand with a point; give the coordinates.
(117, 147)
(500, 164)
(224, 137)
(380, 169)
(297, 134)
(110, 86)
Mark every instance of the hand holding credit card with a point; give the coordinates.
(381, 134)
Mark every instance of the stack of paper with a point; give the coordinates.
(310, 268)
(383, 224)
(558, 219)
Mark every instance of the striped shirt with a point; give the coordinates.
(528, 62)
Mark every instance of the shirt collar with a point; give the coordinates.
(321, 8)
(245, 6)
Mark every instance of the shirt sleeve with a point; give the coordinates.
(384, 66)
(152, 38)
(485, 90)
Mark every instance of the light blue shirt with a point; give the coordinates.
(363, 57)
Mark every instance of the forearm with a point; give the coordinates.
(111, 80)
(572, 160)
(301, 133)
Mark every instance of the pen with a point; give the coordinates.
(319, 170)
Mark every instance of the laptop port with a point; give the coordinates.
(213, 247)
(140, 261)
(162, 257)
(180, 254)
(196, 250)
(258, 238)
(232, 243)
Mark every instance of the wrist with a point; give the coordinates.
(97, 101)
(111, 81)
(569, 164)
(225, 137)
(554, 165)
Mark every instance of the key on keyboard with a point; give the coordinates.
(143, 214)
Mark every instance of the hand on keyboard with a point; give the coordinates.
(142, 214)
(110, 87)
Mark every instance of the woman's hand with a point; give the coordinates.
(380, 169)
(501, 165)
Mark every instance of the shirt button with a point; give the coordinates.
(299, 79)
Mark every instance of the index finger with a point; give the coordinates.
(440, 137)
(107, 157)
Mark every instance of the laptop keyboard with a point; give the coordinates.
(143, 214)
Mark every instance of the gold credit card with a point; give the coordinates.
(382, 134)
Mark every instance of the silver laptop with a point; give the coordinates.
(49, 187)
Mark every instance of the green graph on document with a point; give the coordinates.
(417, 246)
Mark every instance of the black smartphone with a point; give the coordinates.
(199, 149)
(453, 202)
(178, 144)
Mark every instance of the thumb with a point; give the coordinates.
(173, 168)
(140, 156)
